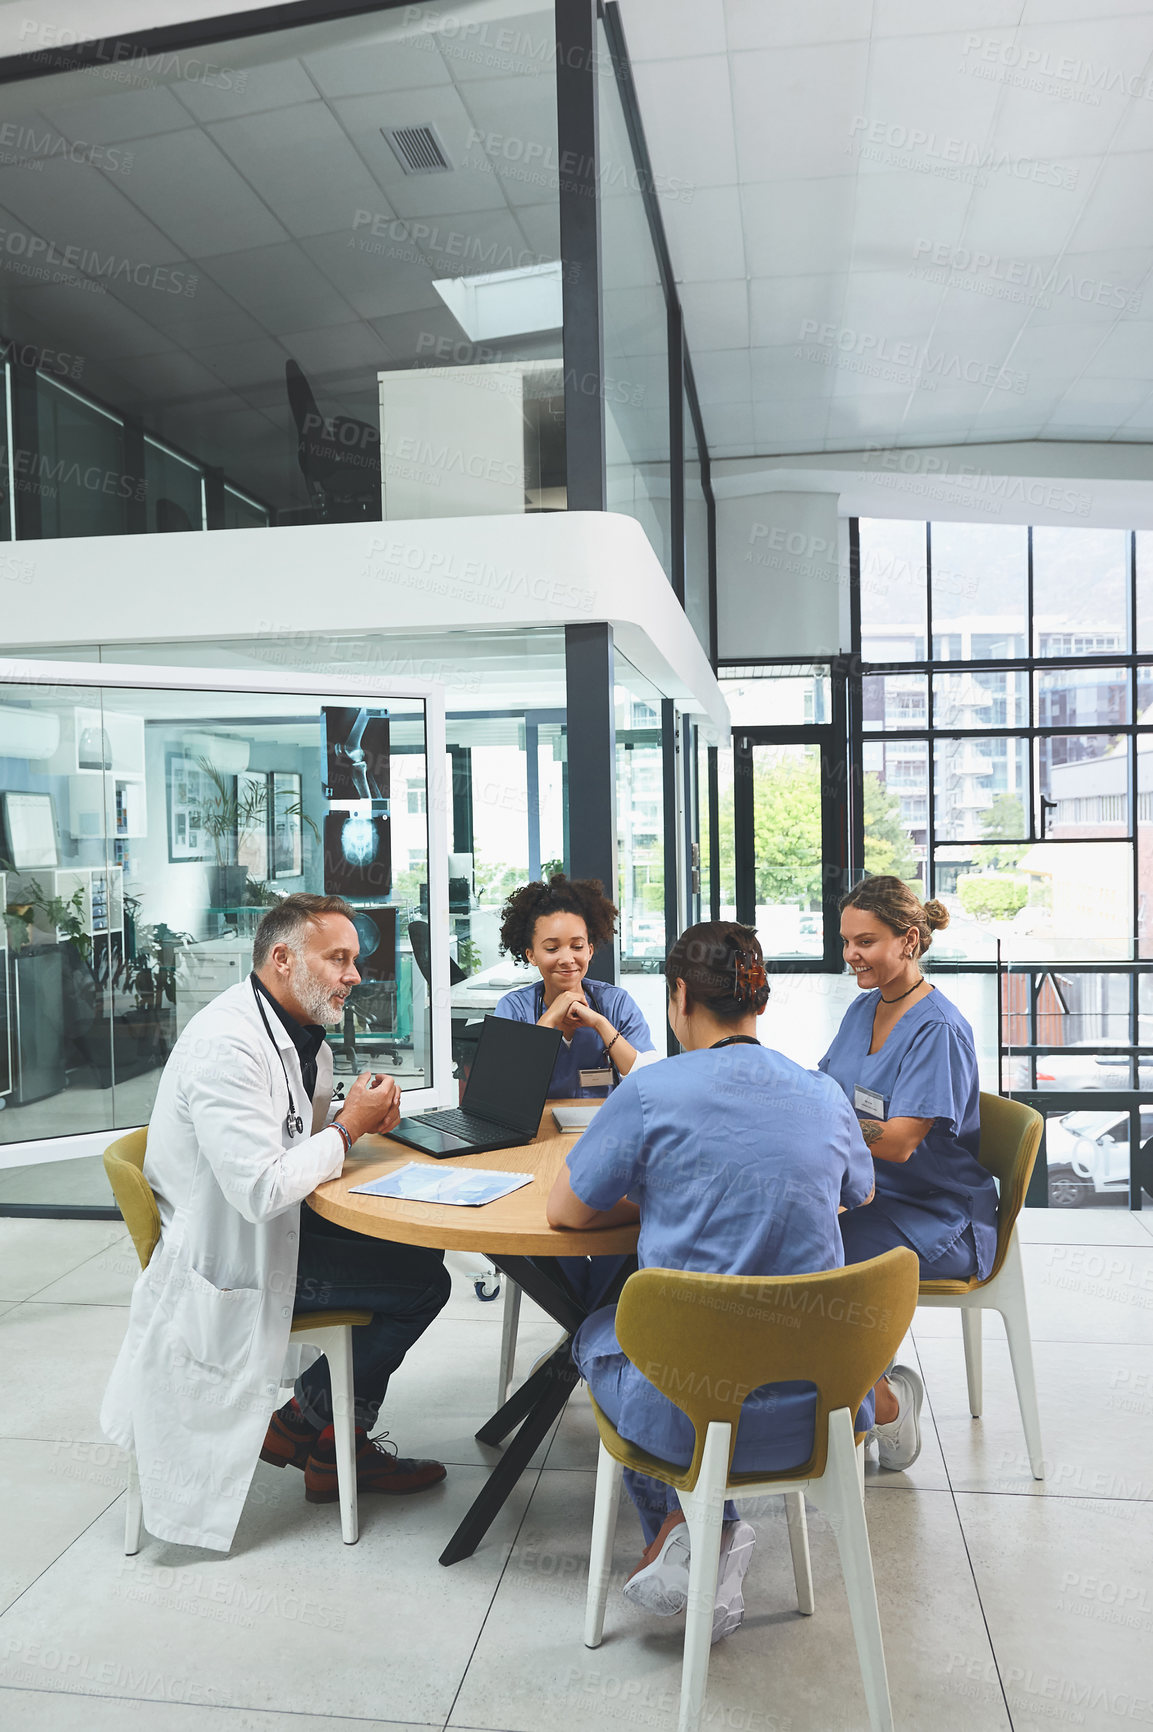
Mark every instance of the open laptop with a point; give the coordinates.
(503, 1098)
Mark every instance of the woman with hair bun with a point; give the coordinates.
(555, 928)
(905, 1058)
(735, 1161)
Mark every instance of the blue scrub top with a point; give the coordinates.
(586, 1050)
(737, 1159)
(927, 1069)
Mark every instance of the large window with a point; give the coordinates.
(1006, 726)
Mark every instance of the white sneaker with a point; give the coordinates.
(737, 1542)
(899, 1442)
(662, 1587)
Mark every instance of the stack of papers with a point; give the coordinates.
(467, 1187)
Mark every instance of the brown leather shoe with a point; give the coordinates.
(378, 1468)
(290, 1438)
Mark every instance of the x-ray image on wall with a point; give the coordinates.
(356, 745)
(357, 855)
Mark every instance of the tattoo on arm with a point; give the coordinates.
(872, 1130)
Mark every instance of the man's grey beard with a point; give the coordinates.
(315, 999)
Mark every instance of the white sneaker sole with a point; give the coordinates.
(736, 1555)
(909, 1421)
(662, 1587)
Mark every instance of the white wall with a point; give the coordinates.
(782, 575)
(782, 523)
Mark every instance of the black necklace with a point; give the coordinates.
(902, 995)
(736, 1040)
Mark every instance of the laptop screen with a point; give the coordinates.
(511, 1073)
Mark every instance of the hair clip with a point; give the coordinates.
(749, 978)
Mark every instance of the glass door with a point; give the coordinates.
(789, 843)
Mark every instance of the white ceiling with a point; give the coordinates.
(814, 160)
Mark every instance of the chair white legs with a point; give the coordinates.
(336, 1345)
(133, 1511)
(704, 1509)
(971, 1330)
(1014, 1308)
(1006, 1294)
(606, 1503)
(508, 1329)
(838, 1492)
(799, 1546)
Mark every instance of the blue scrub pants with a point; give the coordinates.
(404, 1286)
(869, 1231)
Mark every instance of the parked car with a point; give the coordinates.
(1088, 1154)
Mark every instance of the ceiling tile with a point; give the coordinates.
(246, 90)
(685, 156)
(303, 165)
(905, 17)
(899, 215)
(1123, 186)
(675, 28)
(723, 376)
(281, 287)
(371, 68)
(392, 279)
(801, 132)
(337, 349)
(720, 309)
(704, 232)
(190, 189)
(798, 227)
(782, 309)
(793, 372)
(1125, 351)
(752, 24)
(76, 205)
(119, 115)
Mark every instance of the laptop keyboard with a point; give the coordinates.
(462, 1124)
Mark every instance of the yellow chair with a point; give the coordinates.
(706, 1341)
(328, 1331)
(1010, 1138)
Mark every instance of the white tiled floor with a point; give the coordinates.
(1005, 1603)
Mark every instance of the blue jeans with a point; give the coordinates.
(404, 1286)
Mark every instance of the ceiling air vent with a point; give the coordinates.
(417, 149)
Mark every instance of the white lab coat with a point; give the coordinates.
(207, 1348)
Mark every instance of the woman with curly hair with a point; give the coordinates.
(905, 1058)
(555, 928)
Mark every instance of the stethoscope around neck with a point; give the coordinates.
(293, 1123)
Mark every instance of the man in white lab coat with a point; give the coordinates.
(241, 1132)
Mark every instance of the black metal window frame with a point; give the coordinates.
(1035, 971)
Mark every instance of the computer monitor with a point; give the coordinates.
(29, 838)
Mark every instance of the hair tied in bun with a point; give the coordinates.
(936, 914)
(749, 978)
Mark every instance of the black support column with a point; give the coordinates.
(591, 735)
(580, 251)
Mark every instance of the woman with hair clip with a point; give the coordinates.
(555, 928)
(905, 1058)
(735, 1161)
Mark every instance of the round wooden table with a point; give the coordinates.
(514, 1233)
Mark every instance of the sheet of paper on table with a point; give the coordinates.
(464, 1186)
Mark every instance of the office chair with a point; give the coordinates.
(706, 1341)
(328, 1331)
(1010, 1139)
(339, 456)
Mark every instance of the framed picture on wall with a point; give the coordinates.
(254, 823)
(192, 799)
(287, 825)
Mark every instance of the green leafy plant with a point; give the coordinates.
(240, 809)
(993, 895)
(50, 914)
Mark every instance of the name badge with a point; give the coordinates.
(869, 1102)
(596, 1079)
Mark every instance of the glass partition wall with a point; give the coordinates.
(199, 332)
(144, 830)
